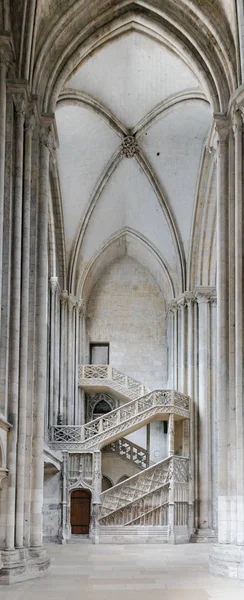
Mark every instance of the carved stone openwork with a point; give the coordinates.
(144, 498)
(80, 470)
(129, 451)
(95, 434)
(107, 376)
(92, 402)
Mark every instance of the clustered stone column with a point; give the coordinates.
(193, 370)
(24, 205)
(228, 555)
(71, 407)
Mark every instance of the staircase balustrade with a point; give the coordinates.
(143, 483)
(144, 498)
(124, 419)
(129, 451)
(106, 375)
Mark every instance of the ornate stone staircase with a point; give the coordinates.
(156, 497)
(152, 505)
(121, 421)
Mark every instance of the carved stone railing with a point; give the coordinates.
(123, 420)
(148, 510)
(143, 499)
(108, 376)
(129, 451)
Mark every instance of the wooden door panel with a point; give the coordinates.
(80, 511)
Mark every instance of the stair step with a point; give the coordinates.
(133, 534)
(79, 539)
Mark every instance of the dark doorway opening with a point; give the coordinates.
(80, 511)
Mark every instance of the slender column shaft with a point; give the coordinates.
(171, 435)
(70, 395)
(3, 70)
(174, 310)
(56, 357)
(41, 342)
(238, 134)
(53, 290)
(15, 322)
(190, 391)
(63, 328)
(182, 345)
(203, 298)
(196, 420)
(77, 336)
(222, 324)
(232, 476)
(97, 476)
(24, 323)
(214, 423)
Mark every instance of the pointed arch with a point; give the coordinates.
(116, 247)
(72, 39)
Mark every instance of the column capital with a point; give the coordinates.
(6, 54)
(64, 297)
(237, 118)
(20, 103)
(54, 283)
(82, 307)
(189, 298)
(213, 300)
(203, 294)
(222, 127)
(46, 138)
(173, 307)
(30, 121)
(72, 301)
(181, 301)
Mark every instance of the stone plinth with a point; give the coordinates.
(22, 564)
(227, 560)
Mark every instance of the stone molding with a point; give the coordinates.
(203, 294)
(199, 295)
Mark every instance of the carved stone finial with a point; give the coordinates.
(129, 146)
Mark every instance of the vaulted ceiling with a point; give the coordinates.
(134, 86)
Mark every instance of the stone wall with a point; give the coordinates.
(115, 467)
(51, 506)
(127, 310)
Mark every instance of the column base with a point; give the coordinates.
(23, 563)
(227, 560)
(203, 536)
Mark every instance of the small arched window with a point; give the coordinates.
(101, 408)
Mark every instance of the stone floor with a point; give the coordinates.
(133, 572)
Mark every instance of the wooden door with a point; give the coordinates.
(80, 511)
